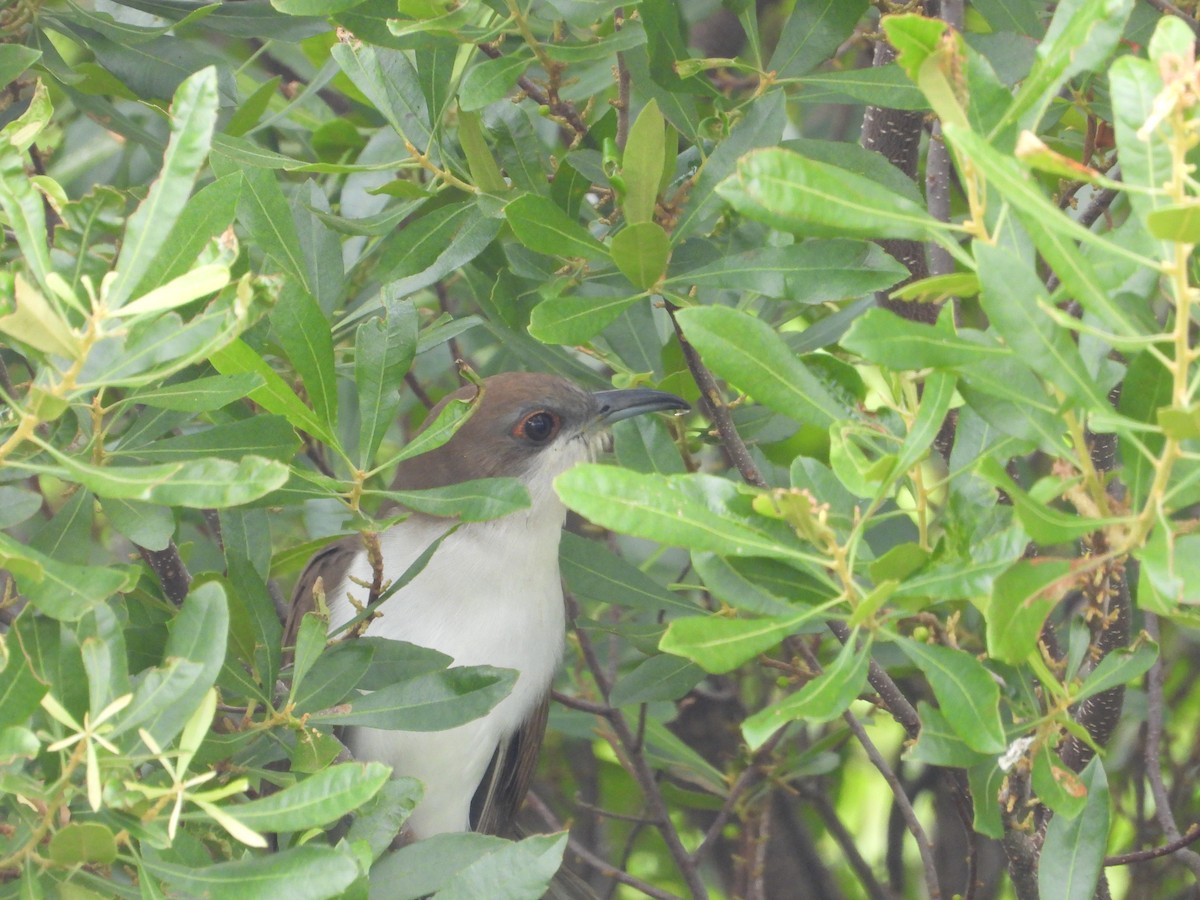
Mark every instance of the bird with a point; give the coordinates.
(491, 593)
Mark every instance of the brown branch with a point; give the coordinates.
(634, 762)
(622, 101)
(847, 841)
(1153, 752)
(559, 109)
(172, 573)
(1165, 6)
(1125, 859)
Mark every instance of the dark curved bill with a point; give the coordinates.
(613, 406)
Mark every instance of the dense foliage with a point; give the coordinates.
(907, 607)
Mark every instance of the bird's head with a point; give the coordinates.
(530, 426)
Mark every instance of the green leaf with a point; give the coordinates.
(199, 394)
(421, 868)
(788, 192)
(541, 225)
(750, 355)
(1119, 667)
(1081, 36)
(484, 171)
(575, 319)
(657, 678)
(304, 333)
(595, 574)
(205, 215)
(16, 743)
(1022, 598)
(1010, 294)
(310, 642)
(384, 348)
(271, 437)
(21, 689)
(197, 484)
(334, 676)
(1056, 785)
(470, 501)
(146, 524)
(1054, 234)
(641, 252)
(885, 86)
(61, 590)
(310, 871)
(14, 60)
(432, 702)
(317, 800)
(83, 842)
(238, 358)
(938, 744)
(642, 167)
(812, 33)
(826, 697)
(512, 872)
(193, 118)
(720, 644)
(967, 694)
(380, 819)
(701, 512)
(21, 202)
(490, 80)
(1178, 222)
(388, 79)
(1073, 852)
(813, 271)
(883, 337)
(35, 321)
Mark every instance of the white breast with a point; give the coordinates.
(490, 595)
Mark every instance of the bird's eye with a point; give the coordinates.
(538, 426)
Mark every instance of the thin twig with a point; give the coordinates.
(623, 81)
(1165, 6)
(559, 109)
(847, 841)
(1125, 859)
(1153, 753)
(601, 865)
(634, 762)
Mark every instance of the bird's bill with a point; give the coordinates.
(613, 406)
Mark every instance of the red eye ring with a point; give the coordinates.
(538, 426)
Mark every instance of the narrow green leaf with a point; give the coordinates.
(935, 403)
(304, 333)
(788, 191)
(237, 357)
(480, 161)
(469, 501)
(21, 688)
(1119, 667)
(1073, 852)
(432, 702)
(641, 252)
(966, 692)
(490, 80)
(882, 337)
(1010, 294)
(701, 512)
(388, 79)
(573, 319)
(310, 642)
(750, 355)
(193, 118)
(812, 33)
(146, 524)
(642, 166)
(200, 394)
(309, 871)
(21, 202)
(541, 225)
(197, 484)
(660, 677)
(15, 59)
(813, 271)
(317, 800)
(384, 348)
(720, 644)
(61, 590)
(595, 574)
(826, 697)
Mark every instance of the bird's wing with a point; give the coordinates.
(503, 788)
(329, 565)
